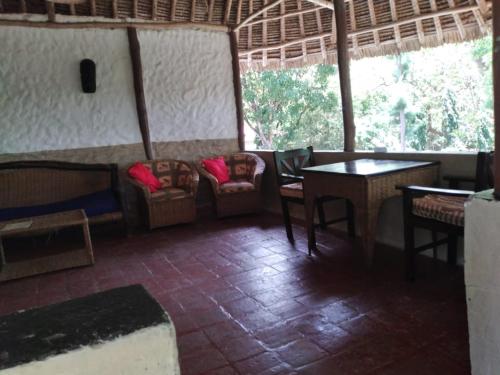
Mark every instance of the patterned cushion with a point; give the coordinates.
(171, 173)
(236, 187)
(170, 193)
(241, 166)
(447, 209)
(294, 190)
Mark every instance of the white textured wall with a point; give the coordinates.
(482, 282)
(42, 105)
(188, 84)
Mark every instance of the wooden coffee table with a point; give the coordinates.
(44, 225)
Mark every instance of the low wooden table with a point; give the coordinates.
(366, 183)
(41, 225)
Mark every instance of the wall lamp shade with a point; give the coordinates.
(88, 75)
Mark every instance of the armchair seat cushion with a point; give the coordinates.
(170, 193)
(236, 187)
(294, 190)
(447, 209)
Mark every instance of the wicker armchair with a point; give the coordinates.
(174, 203)
(242, 195)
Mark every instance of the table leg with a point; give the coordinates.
(2, 255)
(309, 200)
(88, 241)
(367, 221)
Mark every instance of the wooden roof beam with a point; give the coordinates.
(394, 16)
(282, 34)
(373, 19)
(322, 3)
(445, 12)
(284, 15)
(457, 19)
(264, 37)
(420, 27)
(238, 18)
(256, 14)
(321, 40)
(437, 21)
(93, 10)
(359, 32)
(249, 34)
(352, 16)
(22, 6)
(302, 30)
(227, 11)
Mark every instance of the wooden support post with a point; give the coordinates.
(237, 89)
(344, 74)
(51, 11)
(140, 100)
(93, 10)
(496, 86)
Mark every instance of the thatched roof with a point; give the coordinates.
(279, 33)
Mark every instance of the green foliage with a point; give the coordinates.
(434, 99)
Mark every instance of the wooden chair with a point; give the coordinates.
(440, 210)
(288, 165)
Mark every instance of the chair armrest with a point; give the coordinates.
(454, 181)
(213, 181)
(292, 177)
(423, 190)
(195, 181)
(260, 166)
(140, 187)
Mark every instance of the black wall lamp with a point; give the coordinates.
(87, 75)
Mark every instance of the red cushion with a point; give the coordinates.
(142, 174)
(218, 168)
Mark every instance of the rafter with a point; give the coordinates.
(257, 13)
(457, 19)
(380, 27)
(282, 33)
(373, 19)
(264, 36)
(93, 11)
(420, 26)
(394, 16)
(154, 9)
(321, 40)
(227, 11)
(353, 24)
(437, 21)
(285, 15)
(302, 30)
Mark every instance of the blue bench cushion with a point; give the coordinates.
(94, 204)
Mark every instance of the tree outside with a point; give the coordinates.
(435, 99)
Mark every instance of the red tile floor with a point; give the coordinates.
(244, 301)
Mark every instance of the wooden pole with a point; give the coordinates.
(237, 89)
(140, 100)
(344, 74)
(496, 88)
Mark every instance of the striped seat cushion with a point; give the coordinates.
(236, 187)
(294, 190)
(170, 193)
(447, 209)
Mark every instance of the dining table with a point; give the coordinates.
(366, 183)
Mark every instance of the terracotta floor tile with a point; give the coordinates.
(301, 352)
(243, 300)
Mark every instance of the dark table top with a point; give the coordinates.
(368, 167)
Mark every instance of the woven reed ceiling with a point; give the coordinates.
(289, 33)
